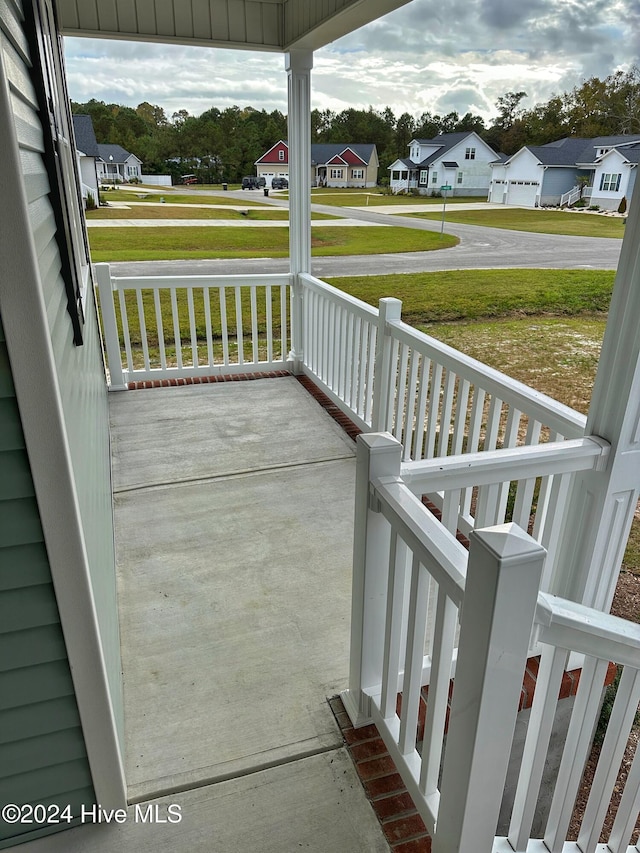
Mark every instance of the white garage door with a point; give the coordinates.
(523, 192)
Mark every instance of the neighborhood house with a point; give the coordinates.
(116, 165)
(332, 164)
(87, 155)
(460, 161)
(601, 170)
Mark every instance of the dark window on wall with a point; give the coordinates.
(610, 182)
(59, 155)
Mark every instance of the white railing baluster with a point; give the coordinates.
(268, 307)
(371, 365)
(348, 384)
(526, 488)
(613, 747)
(410, 427)
(393, 627)
(176, 327)
(438, 696)
(239, 324)
(142, 325)
(576, 750)
(254, 326)
(462, 404)
(433, 407)
(543, 713)
(401, 394)
(445, 413)
(627, 814)
(224, 326)
(206, 297)
(416, 636)
(125, 331)
(160, 327)
(192, 328)
(420, 431)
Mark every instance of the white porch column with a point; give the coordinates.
(298, 64)
(602, 504)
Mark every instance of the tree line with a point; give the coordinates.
(223, 145)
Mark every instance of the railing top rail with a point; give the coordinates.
(157, 282)
(575, 627)
(548, 411)
(510, 463)
(442, 555)
(355, 304)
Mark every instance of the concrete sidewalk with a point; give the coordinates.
(234, 527)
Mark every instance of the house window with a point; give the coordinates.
(395, 176)
(610, 182)
(469, 153)
(281, 155)
(434, 177)
(424, 176)
(336, 173)
(460, 174)
(358, 174)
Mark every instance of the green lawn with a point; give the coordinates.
(171, 211)
(373, 197)
(538, 221)
(474, 294)
(171, 196)
(148, 244)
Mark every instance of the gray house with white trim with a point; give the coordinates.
(540, 175)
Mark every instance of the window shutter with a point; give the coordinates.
(60, 155)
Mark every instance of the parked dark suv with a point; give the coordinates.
(279, 184)
(252, 183)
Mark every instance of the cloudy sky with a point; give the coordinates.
(427, 56)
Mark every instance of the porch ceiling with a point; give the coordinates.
(268, 25)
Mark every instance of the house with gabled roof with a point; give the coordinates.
(117, 165)
(460, 161)
(332, 164)
(550, 175)
(88, 154)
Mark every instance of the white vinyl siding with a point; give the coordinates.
(42, 747)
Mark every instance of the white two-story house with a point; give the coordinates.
(459, 161)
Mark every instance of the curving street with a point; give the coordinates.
(479, 248)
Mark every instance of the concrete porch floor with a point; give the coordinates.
(234, 526)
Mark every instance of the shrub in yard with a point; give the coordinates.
(91, 202)
(622, 207)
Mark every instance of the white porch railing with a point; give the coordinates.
(414, 587)
(166, 327)
(570, 197)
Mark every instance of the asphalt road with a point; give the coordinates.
(479, 248)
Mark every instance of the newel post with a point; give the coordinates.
(378, 455)
(388, 309)
(503, 577)
(110, 327)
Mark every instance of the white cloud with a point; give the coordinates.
(428, 55)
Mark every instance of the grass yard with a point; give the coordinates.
(537, 221)
(373, 198)
(172, 197)
(171, 211)
(476, 294)
(156, 244)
